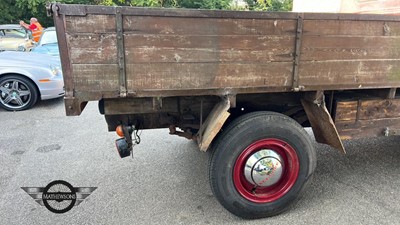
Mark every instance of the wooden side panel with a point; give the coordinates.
(351, 28)
(121, 106)
(349, 54)
(91, 23)
(366, 128)
(379, 109)
(207, 26)
(208, 48)
(207, 75)
(349, 74)
(350, 48)
(93, 48)
(93, 53)
(367, 109)
(95, 77)
(168, 53)
(367, 118)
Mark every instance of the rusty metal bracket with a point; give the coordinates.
(296, 61)
(52, 8)
(121, 53)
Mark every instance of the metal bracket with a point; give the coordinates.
(157, 103)
(121, 53)
(296, 61)
(52, 8)
(391, 132)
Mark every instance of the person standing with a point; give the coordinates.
(35, 27)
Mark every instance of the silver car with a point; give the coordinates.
(26, 77)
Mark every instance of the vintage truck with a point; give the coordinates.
(242, 84)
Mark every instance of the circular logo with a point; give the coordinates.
(59, 196)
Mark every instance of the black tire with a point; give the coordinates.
(22, 91)
(234, 141)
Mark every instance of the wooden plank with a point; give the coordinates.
(355, 73)
(122, 106)
(376, 109)
(249, 42)
(208, 48)
(93, 48)
(350, 27)
(366, 128)
(213, 124)
(193, 55)
(207, 26)
(321, 122)
(322, 48)
(90, 24)
(346, 111)
(370, 109)
(170, 76)
(92, 77)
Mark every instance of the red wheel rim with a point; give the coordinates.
(272, 193)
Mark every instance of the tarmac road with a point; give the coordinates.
(166, 180)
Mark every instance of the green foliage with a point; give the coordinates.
(270, 5)
(37, 8)
(210, 4)
(9, 13)
(12, 11)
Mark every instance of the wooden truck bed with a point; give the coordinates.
(242, 84)
(125, 52)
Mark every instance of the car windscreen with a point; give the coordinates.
(48, 37)
(13, 33)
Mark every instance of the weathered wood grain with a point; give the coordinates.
(213, 124)
(321, 121)
(208, 48)
(95, 77)
(320, 48)
(93, 48)
(180, 50)
(139, 106)
(366, 110)
(207, 55)
(349, 73)
(346, 111)
(90, 24)
(207, 26)
(366, 128)
(169, 76)
(377, 109)
(351, 27)
(249, 42)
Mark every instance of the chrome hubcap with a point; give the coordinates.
(264, 168)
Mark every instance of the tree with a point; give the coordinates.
(9, 13)
(37, 8)
(270, 5)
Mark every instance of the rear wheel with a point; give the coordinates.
(17, 93)
(260, 164)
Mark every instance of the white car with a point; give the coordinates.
(26, 77)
